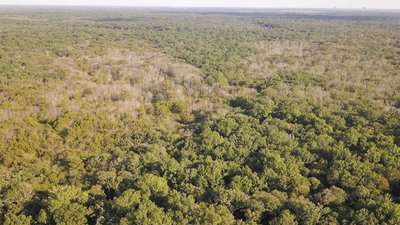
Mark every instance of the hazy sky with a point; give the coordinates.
(376, 4)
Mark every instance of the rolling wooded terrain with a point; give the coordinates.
(199, 116)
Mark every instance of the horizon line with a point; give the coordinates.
(194, 7)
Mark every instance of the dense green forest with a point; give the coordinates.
(167, 116)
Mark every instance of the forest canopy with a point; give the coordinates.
(149, 116)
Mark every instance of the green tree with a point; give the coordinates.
(66, 205)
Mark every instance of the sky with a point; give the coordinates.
(371, 4)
